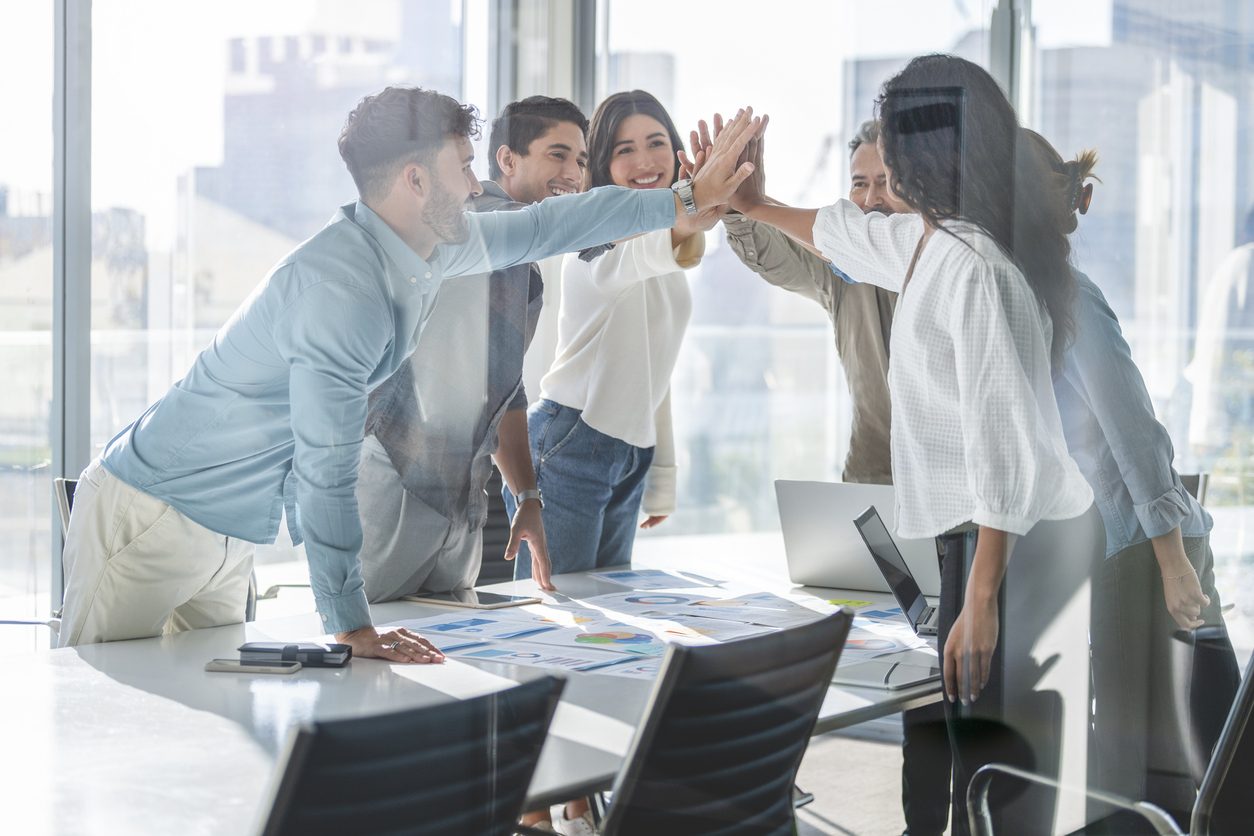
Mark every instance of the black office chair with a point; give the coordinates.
(1224, 806)
(724, 734)
(1196, 484)
(462, 767)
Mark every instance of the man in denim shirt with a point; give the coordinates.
(270, 418)
(434, 428)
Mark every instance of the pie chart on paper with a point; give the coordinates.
(659, 600)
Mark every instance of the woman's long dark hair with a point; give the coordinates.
(604, 127)
(952, 142)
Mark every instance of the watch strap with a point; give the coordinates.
(532, 493)
(683, 188)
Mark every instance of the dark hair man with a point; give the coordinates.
(434, 428)
(529, 156)
(270, 419)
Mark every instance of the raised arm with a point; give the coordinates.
(783, 262)
(871, 248)
(796, 223)
(575, 222)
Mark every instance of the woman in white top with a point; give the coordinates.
(983, 319)
(601, 437)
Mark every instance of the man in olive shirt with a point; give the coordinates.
(862, 317)
(861, 314)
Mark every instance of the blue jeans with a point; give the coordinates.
(592, 485)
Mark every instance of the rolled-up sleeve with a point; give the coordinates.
(1100, 366)
(871, 248)
(783, 262)
(1000, 416)
(331, 340)
(557, 225)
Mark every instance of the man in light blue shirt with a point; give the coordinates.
(270, 418)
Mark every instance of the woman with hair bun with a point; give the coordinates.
(982, 322)
(1158, 574)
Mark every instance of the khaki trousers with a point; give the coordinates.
(135, 567)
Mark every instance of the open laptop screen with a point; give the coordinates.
(891, 563)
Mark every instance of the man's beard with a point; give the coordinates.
(445, 216)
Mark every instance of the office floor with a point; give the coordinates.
(856, 786)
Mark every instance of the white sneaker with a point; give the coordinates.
(582, 826)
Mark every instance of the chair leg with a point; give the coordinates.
(800, 797)
(250, 600)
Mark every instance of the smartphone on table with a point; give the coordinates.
(472, 598)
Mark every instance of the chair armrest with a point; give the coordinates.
(981, 822)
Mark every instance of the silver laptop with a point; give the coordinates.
(823, 546)
(923, 617)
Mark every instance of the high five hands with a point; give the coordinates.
(752, 189)
(721, 166)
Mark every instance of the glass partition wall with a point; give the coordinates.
(26, 318)
(212, 155)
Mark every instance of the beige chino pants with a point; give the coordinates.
(135, 567)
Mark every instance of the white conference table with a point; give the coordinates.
(135, 737)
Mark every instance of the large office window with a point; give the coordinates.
(759, 393)
(1164, 90)
(26, 312)
(214, 154)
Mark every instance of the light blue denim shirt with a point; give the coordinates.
(271, 416)
(1108, 420)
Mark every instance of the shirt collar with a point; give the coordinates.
(413, 270)
(493, 188)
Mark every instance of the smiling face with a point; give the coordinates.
(553, 165)
(642, 156)
(869, 188)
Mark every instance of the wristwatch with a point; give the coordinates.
(683, 188)
(533, 493)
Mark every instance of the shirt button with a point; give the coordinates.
(427, 274)
(413, 280)
(324, 618)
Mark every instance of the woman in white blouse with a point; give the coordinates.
(982, 321)
(601, 437)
